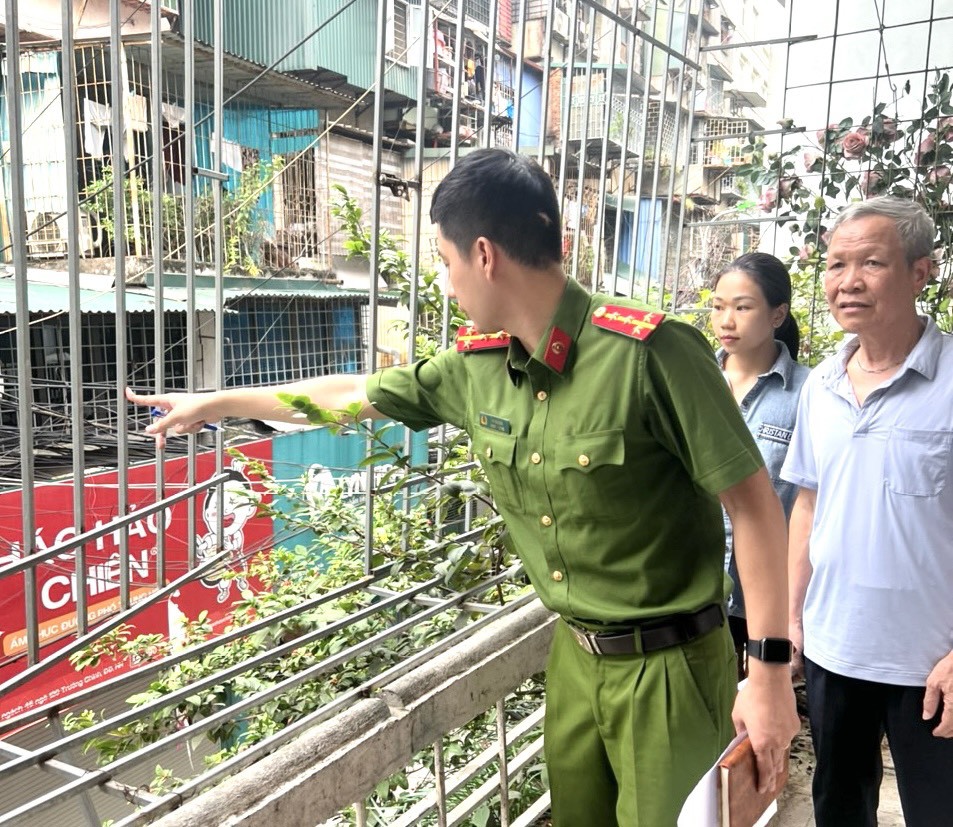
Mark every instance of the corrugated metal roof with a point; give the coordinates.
(55, 298)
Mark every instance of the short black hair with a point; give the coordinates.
(505, 197)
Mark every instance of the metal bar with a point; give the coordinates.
(466, 807)
(268, 745)
(90, 780)
(621, 21)
(547, 70)
(722, 47)
(375, 255)
(77, 418)
(218, 358)
(700, 139)
(682, 211)
(25, 564)
(192, 341)
(86, 803)
(490, 76)
(626, 121)
(440, 783)
(518, 87)
(657, 167)
(158, 268)
(106, 626)
(212, 174)
(670, 195)
(459, 779)
(457, 85)
(566, 91)
(14, 101)
(50, 750)
(598, 242)
(583, 144)
(149, 669)
(643, 139)
(504, 762)
(121, 142)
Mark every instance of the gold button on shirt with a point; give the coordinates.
(624, 506)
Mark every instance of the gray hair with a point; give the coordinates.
(914, 225)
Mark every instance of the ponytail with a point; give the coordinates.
(789, 335)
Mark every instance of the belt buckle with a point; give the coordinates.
(586, 640)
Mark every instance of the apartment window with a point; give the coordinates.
(397, 29)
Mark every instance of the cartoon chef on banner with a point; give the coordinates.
(238, 501)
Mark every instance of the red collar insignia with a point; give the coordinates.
(557, 349)
(629, 321)
(470, 339)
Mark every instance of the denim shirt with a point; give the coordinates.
(769, 409)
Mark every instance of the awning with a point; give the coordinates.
(748, 98)
(44, 297)
(270, 88)
(718, 72)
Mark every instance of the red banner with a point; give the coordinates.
(57, 581)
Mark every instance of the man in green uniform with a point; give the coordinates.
(608, 436)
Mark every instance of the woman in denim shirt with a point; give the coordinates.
(751, 316)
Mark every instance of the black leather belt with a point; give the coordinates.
(659, 633)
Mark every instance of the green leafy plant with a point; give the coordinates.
(857, 159)
(396, 270)
(243, 226)
(414, 535)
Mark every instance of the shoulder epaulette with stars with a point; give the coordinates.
(470, 339)
(629, 321)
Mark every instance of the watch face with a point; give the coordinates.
(775, 650)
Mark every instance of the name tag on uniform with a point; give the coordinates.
(774, 433)
(494, 423)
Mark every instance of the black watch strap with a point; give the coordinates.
(771, 649)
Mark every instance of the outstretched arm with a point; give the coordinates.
(765, 708)
(188, 413)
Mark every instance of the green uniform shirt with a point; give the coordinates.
(607, 470)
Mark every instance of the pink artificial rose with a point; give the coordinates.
(822, 133)
(812, 162)
(826, 237)
(805, 253)
(870, 183)
(939, 175)
(888, 131)
(786, 186)
(944, 129)
(854, 144)
(927, 145)
(768, 200)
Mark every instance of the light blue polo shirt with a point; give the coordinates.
(879, 605)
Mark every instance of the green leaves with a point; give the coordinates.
(880, 156)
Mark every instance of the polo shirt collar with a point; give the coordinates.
(923, 359)
(783, 366)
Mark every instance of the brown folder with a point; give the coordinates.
(740, 804)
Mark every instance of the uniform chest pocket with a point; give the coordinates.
(916, 463)
(592, 472)
(497, 454)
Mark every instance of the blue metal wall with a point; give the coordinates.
(262, 32)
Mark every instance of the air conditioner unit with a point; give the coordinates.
(47, 237)
(561, 24)
(44, 238)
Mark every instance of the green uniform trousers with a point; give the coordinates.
(628, 736)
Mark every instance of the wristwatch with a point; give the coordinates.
(770, 649)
